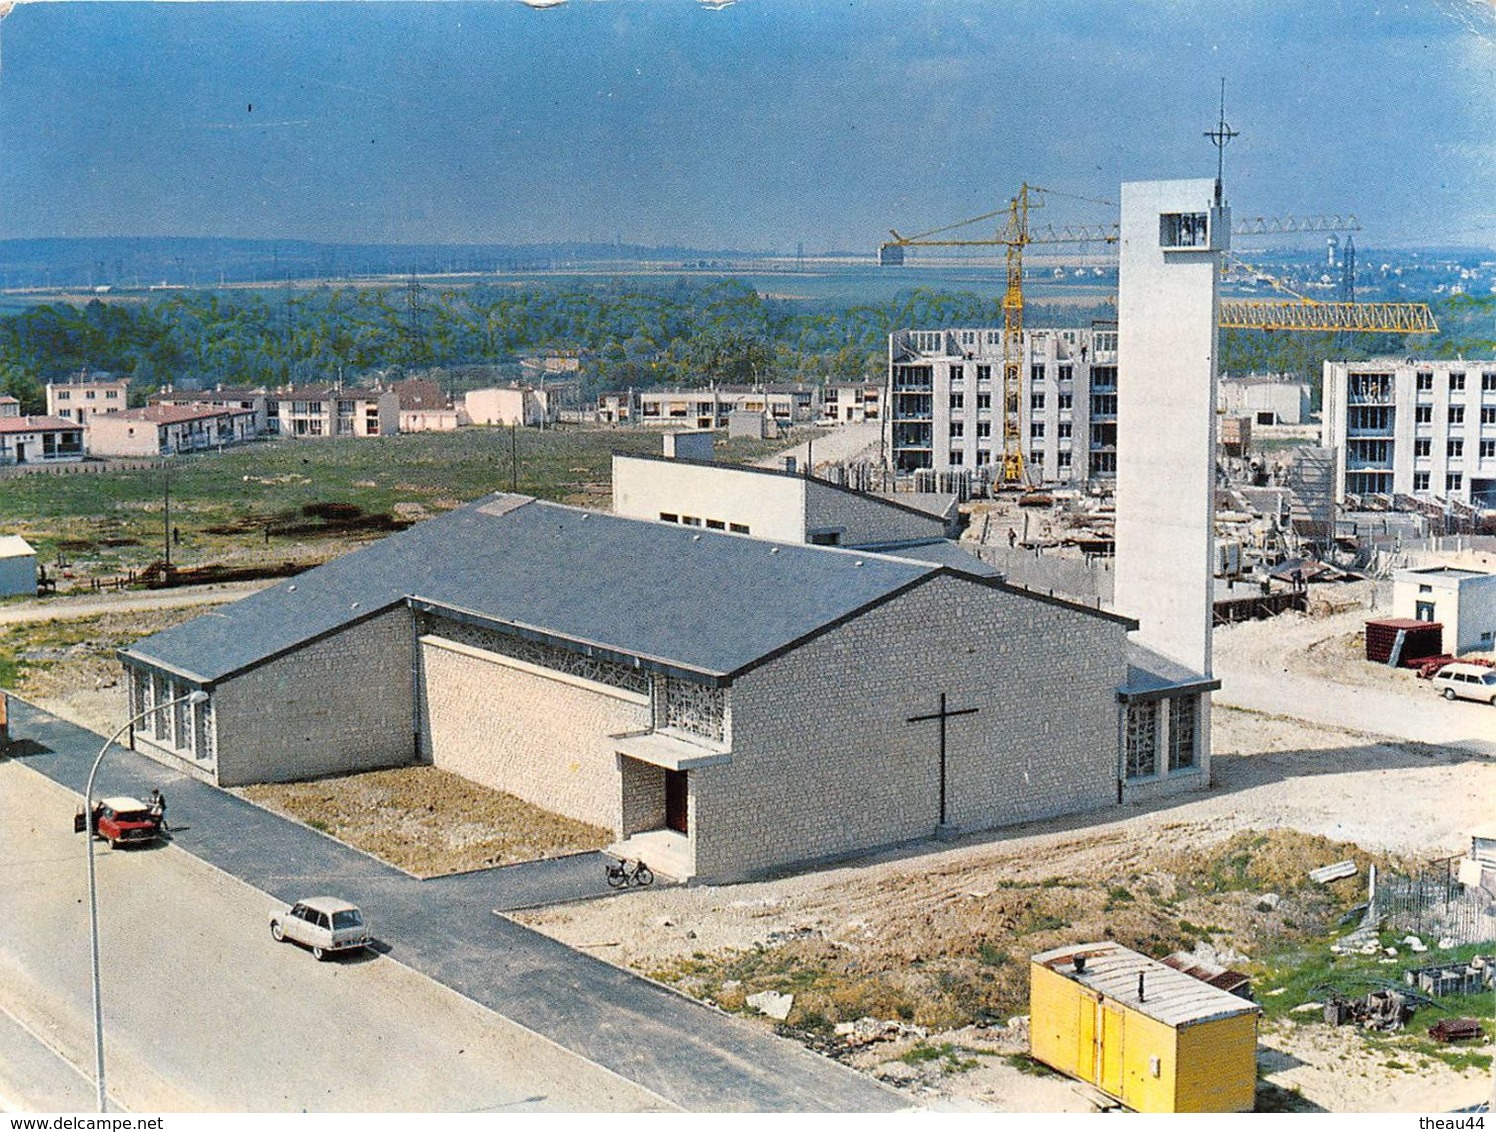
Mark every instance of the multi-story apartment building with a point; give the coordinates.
(330, 410)
(1413, 427)
(945, 402)
(86, 394)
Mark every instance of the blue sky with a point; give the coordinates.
(760, 126)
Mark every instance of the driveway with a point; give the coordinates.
(688, 1054)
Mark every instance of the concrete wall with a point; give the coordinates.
(1166, 421)
(514, 726)
(502, 407)
(123, 436)
(771, 507)
(341, 704)
(824, 762)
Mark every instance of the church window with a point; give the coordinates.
(697, 709)
(1142, 739)
(1183, 712)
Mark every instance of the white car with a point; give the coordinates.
(1466, 682)
(323, 923)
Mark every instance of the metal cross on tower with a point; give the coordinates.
(1220, 137)
(942, 715)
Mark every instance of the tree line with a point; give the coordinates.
(627, 332)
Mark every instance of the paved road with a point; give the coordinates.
(71, 606)
(693, 1057)
(204, 1011)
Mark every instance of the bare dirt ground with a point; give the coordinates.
(427, 821)
(938, 937)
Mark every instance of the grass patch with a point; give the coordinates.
(1030, 1066)
(947, 1056)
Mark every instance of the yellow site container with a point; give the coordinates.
(1154, 1038)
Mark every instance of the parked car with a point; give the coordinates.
(1466, 682)
(120, 821)
(323, 923)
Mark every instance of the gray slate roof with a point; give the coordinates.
(1151, 676)
(696, 600)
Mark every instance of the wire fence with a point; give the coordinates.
(1433, 904)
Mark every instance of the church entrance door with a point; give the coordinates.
(675, 800)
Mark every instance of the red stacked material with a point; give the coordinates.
(1424, 639)
(1429, 667)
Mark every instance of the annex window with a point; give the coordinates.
(1037, 456)
(958, 428)
(1423, 414)
(668, 517)
(1423, 446)
(1183, 712)
(1036, 372)
(1454, 481)
(958, 402)
(1142, 739)
(984, 400)
(1488, 382)
(738, 528)
(1457, 414)
(1487, 449)
(1067, 372)
(1036, 429)
(1036, 402)
(984, 430)
(1425, 382)
(1064, 430)
(1103, 404)
(1456, 382)
(1062, 460)
(958, 457)
(1455, 449)
(984, 373)
(1066, 401)
(958, 373)
(983, 458)
(1420, 481)
(716, 525)
(1488, 415)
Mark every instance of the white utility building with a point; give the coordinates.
(17, 566)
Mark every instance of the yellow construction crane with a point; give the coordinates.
(1299, 312)
(1014, 235)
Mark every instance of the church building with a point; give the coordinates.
(726, 705)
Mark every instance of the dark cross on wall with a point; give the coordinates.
(942, 715)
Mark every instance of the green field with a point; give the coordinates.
(267, 500)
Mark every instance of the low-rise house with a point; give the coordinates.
(85, 395)
(710, 408)
(10, 406)
(40, 440)
(168, 430)
(424, 407)
(520, 405)
(333, 410)
(223, 397)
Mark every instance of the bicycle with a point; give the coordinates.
(628, 871)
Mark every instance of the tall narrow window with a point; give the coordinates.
(1142, 739)
(1183, 712)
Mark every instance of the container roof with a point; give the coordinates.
(1169, 996)
(14, 546)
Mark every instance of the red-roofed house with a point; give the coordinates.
(39, 440)
(164, 430)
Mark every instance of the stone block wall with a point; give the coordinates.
(825, 764)
(537, 734)
(340, 704)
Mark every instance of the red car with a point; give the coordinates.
(121, 821)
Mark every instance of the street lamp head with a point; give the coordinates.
(198, 697)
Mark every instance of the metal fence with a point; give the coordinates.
(1431, 903)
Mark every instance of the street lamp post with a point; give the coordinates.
(198, 697)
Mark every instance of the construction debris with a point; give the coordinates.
(1337, 871)
(1456, 1030)
(1454, 978)
(777, 1006)
(1387, 1010)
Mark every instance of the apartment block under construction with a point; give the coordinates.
(946, 411)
